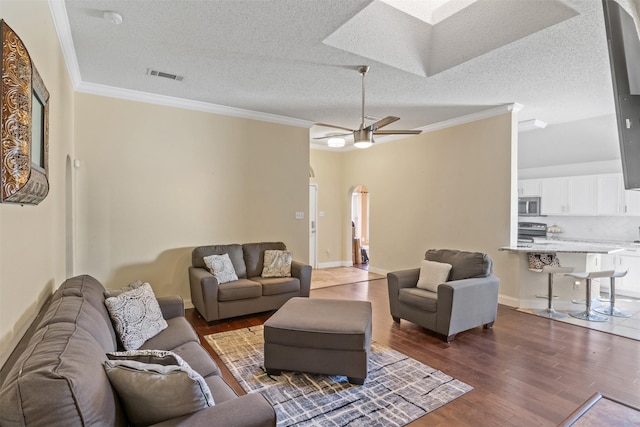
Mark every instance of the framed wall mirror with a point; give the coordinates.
(24, 125)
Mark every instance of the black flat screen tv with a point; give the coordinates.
(624, 57)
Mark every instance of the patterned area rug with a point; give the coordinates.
(397, 391)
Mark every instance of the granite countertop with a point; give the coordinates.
(565, 246)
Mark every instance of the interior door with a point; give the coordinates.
(313, 225)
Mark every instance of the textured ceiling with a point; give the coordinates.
(297, 59)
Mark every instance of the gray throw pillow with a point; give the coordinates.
(154, 393)
(136, 316)
(108, 293)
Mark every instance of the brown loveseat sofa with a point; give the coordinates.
(56, 377)
(251, 293)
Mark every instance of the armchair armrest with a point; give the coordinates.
(303, 272)
(397, 280)
(250, 410)
(465, 304)
(171, 306)
(204, 292)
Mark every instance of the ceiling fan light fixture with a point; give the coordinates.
(335, 142)
(363, 138)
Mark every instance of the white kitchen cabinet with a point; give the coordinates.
(573, 195)
(629, 260)
(529, 187)
(609, 194)
(554, 196)
(581, 193)
(632, 202)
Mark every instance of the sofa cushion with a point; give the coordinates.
(73, 309)
(136, 316)
(277, 263)
(432, 273)
(178, 333)
(198, 358)
(59, 380)
(221, 268)
(153, 393)
(420, 298)
(254, 255)
(240, 289)
(90, 289)
(235, 254)
(464, 265)
(220, 390)
(278, 285)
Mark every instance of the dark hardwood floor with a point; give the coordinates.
(526, 371)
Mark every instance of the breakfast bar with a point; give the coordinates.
(582, 256)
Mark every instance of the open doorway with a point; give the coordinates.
(360, 226)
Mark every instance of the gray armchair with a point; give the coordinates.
(469, 298)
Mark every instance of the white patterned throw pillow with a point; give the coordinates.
(136, 316)
(221, 268)
(277, 263)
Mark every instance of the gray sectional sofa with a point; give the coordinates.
(56, 375)
(251, 293)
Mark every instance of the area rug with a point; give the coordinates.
(334, 276)
(398, 389)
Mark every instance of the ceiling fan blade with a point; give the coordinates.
(397, 132)
(333, 126)
(383, 122)
(334, 135)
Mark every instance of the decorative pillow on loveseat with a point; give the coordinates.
(277, 263)
(158, 357)
(152, 393)
(108, 293)
(432, 274)
(221, 267)
(136, 316)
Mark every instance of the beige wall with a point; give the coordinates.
(328, 168)
(450, 188)
(32, 238)
(156, 181)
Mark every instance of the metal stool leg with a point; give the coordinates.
(611, 310)
(589, 314)
(550, 311)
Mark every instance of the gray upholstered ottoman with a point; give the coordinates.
(319, 336)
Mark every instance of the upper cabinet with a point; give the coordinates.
(573, 195)
(602, 195)
(529, 187)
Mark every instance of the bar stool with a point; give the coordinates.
(612, 310)
(589, 314)
(550, 311)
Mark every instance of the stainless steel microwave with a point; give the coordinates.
(529, 206)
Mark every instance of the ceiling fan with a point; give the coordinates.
(363, 136)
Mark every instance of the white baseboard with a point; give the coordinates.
(508, 301)
(188, 303)
(332, 264)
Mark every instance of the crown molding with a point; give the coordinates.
(170, 101)
(63, 29)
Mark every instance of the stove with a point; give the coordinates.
(528, 231)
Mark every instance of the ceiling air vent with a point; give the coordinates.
(157, 73)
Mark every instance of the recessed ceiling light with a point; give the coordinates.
(113, 17)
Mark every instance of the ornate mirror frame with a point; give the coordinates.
(24, 179)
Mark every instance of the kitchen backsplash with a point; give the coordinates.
(607, 228)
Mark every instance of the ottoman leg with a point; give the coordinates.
(356, 381)
(275, 372)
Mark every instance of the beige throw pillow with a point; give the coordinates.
(153, 393)
(432, 274)
(136, 316)
(277, 263)
(221, 267)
